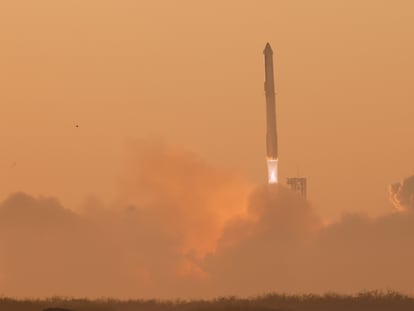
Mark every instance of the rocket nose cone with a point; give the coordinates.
(268, 49)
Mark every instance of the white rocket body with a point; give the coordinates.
(271, 133)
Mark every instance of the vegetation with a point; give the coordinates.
(364, 301)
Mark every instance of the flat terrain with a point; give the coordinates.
(364, 301)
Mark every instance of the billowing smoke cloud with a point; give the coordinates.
(181, 228)
(402, 194)
(46, 248)
(186, 197)
(263, 252)
(170, 213)
(288, 250)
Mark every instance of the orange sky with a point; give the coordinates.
(191, 73)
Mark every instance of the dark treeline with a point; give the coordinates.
(366, 301)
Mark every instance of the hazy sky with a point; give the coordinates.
(191, 73)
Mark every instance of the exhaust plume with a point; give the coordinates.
(181, 228)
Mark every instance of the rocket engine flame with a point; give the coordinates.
(272, 171)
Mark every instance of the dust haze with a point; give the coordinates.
(80, 79)
(182, 228)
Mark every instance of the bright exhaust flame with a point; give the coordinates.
(272, 170)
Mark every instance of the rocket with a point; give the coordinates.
(271, 133)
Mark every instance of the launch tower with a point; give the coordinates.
(298, 185)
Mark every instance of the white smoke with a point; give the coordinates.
(402, 194)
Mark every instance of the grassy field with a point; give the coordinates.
(364, 301)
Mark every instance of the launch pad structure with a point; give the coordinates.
(298, 184)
